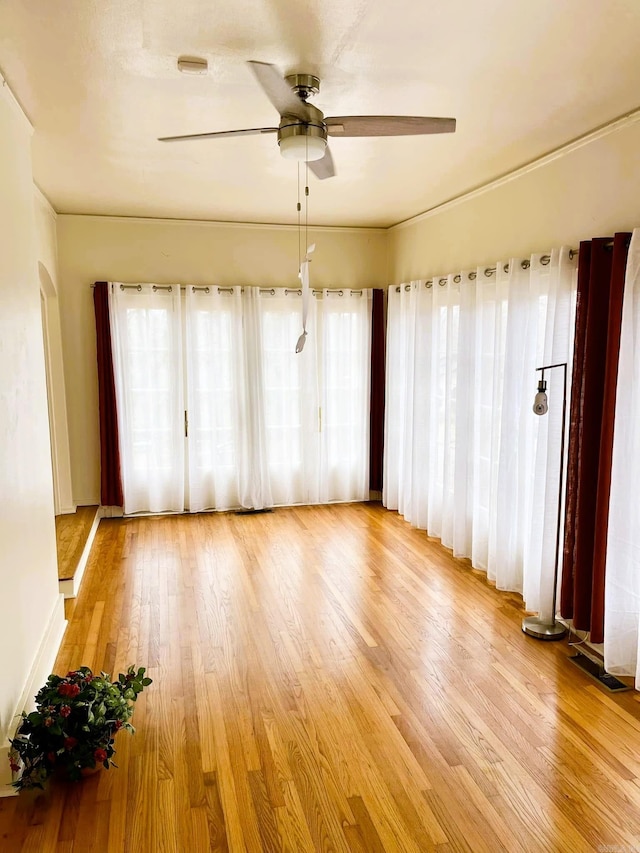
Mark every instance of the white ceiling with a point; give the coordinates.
(98, 79)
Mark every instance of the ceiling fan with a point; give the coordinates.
(303, 129)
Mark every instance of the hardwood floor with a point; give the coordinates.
(72, 532)
(328, 679)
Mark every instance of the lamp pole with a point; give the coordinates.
(534, 626)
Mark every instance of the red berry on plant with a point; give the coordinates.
(100, 755)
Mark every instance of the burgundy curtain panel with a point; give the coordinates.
(601, 271)
(376, 423)
(110, 475)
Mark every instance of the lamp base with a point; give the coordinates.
(535, 627)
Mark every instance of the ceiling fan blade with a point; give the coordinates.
(388, 125)
(252, 131)
(283, 98)
(323, 168)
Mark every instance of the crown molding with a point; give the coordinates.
(220, 223)
(10, 98)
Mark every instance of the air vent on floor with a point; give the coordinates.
(598, 672)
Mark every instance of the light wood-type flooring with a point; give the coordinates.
(328, 679)
(72, 532)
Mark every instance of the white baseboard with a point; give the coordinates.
(69, 588)
(112, 512)
(40, 671)
(84, 501)
(67, 510)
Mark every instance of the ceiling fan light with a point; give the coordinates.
(304, 148)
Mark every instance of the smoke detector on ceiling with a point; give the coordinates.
(192, 65)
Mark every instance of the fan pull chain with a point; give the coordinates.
(299, 208)
(304, 267)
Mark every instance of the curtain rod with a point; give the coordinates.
(488, 271)
(272, 291)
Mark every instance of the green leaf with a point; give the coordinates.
(146, 682)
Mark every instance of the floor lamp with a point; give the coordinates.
(533, 625)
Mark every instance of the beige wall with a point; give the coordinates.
(103, 248)
(28, 571)
(591, 191)
(47, 252)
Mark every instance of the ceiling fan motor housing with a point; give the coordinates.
(304, 85)
(299, 140)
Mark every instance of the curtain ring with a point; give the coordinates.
(489, 271)
(545, 260)
(429, 284)
(473, 276)
(442, 282)
(505, 268)
(525, 265)
(457, 279)
(407, 287)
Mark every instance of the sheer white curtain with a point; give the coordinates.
(344, 354)
(227, 462)
(290, 395)
(407, 401)
(147, 353)
(622, 583)
(317, 402)
(267, 426)
(553, 292)
(465, 457)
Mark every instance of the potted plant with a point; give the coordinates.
(74, 725)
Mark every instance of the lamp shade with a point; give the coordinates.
(540, 403)
(305, 148)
